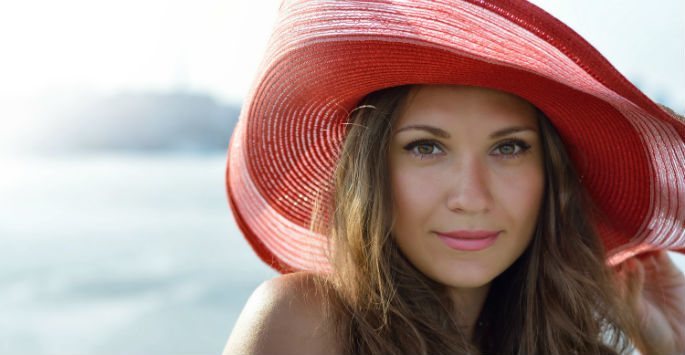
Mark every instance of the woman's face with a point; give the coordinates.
(465, 159)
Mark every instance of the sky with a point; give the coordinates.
(104, 46)
(72, 47)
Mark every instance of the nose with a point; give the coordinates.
(470, 189)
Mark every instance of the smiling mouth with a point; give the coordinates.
(469, 241)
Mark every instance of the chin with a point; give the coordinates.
(468, 282)
(467, 277)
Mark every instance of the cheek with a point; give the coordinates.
(403, 193)
(522, 193)
(414, 193)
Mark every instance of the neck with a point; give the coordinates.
(468, 305)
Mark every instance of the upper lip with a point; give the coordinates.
(470, 234)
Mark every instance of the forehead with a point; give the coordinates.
(454, 105)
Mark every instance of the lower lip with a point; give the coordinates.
(468, 244)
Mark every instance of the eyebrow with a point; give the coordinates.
(443, 134)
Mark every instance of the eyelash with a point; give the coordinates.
(524, 147)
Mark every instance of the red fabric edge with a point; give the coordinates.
(256, 244)
(573, 46)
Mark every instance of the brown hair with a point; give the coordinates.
(557, 298)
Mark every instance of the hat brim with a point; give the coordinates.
(630, 154)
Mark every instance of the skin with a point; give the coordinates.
(284, 315)
(655, 288)
(466, 185)
(469, 180)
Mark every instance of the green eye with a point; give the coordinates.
(423, 149)
(512, 149)
(508, 149)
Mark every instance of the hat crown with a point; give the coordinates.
(324, 56)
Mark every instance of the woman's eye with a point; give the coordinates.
(512, 149)
(423, 149)
(507, 150)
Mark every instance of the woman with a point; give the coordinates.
(444, 178)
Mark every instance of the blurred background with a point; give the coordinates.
(115, 232)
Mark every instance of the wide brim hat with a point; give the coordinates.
(325, 56)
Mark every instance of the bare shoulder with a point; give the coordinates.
(284, 315)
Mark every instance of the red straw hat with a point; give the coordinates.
(324, 56)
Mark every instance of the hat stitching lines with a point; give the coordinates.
(662, 215)
(256, 211)
(660, 225)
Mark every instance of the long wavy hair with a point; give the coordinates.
(559, 296)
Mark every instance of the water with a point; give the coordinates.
(121, 254)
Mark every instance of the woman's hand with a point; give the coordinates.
(656, 293)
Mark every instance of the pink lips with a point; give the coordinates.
(469, 240)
